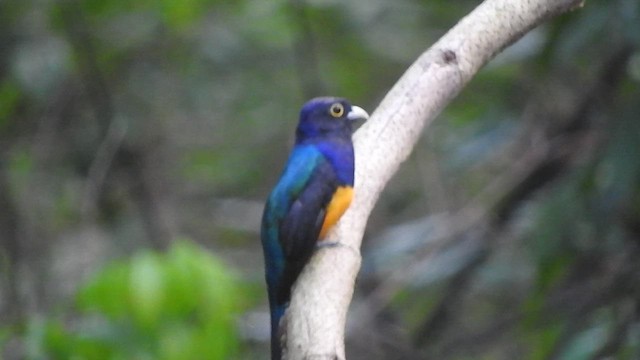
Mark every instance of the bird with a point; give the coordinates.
(313, 192)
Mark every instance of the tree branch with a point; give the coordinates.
(317, 313)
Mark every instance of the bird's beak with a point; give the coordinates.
(357, 113)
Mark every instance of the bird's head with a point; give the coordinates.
(328, 116)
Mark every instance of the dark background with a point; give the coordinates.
(139, 138)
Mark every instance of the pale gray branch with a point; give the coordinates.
(316, 317)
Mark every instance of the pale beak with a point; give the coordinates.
(357, 113)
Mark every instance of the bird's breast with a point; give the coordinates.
(338, 204)
(339, 153)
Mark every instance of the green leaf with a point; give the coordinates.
(146, 288)
(177, 305)
(106, 291)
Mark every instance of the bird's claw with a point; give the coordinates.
(328, 244)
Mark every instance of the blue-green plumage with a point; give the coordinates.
(321, 162)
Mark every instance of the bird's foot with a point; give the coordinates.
(327, 244)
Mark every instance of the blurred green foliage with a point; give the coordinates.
(178, 305)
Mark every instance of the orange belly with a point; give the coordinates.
(337, 206)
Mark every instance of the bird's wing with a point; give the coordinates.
(294, 216)
(300, 228)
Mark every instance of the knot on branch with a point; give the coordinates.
(449, 56)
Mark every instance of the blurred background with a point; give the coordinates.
(139, 138)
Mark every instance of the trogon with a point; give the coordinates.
(314, 190)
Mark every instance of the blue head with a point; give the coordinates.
(327, 116)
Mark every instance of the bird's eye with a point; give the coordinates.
(336, 110)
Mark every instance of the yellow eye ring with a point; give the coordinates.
(336, 110)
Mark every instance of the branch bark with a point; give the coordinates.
(316, 317)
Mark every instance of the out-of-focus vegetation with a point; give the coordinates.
(177, 305)
(513, 232)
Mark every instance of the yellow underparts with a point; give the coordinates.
(337, 206)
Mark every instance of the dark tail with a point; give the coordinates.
(279, 297)
(276, 347)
